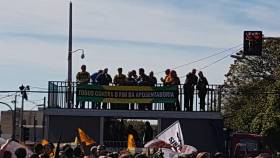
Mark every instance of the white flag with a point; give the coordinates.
(173, 136)
(188, 149)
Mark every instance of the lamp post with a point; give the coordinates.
(14, 119)
(70, 52)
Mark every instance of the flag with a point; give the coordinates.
(156, 143)
(167, 153)
(84, 137)
(44, 142)
(170, 136)
(130, 142)
(76, 141)
(188, 149)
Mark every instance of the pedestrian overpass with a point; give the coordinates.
(202, 129)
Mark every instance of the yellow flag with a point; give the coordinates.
(130, 142)
(44, 142)
(85, 138)
(76, 141)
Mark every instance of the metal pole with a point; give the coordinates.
(34, 128)
(14, 119)
(69, 98)
(43, 124)
(21, 118)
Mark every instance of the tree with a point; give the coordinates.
(251, 94)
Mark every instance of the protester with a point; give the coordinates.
(148, 132)
(131, 130)
(202, 90)
(82, 77)
(152, 78)
(7, 154)
(93, 151)
(69, 152)
(189, 87)
(77, 152)
(120, 80)
(20, 153)
(38, 149)
(94, 76)
(203, 155)
(218, 155)
(188, 93)
(49, 149)
(143, 80)
(134, 74)
(34, 156)
(104, 79)
(95, 105)
(167, 73)
(131, 81)
(173, 80)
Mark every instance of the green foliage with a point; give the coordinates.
(251, 94)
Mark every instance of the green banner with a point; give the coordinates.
(126, 94)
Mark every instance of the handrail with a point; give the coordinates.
(57, 98)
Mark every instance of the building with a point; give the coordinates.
(28, 124)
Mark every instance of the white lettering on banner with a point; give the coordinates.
(173, 136)
(124, 94)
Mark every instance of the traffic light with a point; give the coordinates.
(252, 43)
(26, 133)
(23, 92)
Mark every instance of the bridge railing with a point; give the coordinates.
(58, 92)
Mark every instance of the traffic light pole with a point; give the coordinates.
(14, 119)
(34, 128)
(21, 118)
(43, 123)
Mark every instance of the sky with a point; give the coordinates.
(154, 35)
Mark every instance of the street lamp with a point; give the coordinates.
(82, 51)
(69, 98)
(14, 119)
(70, 52)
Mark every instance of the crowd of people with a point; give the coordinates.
(102, 77)
(95, 151)
(49, 150)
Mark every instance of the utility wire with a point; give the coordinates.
(195, 61)
(9, 95)
(38, 88)
(217, 61)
